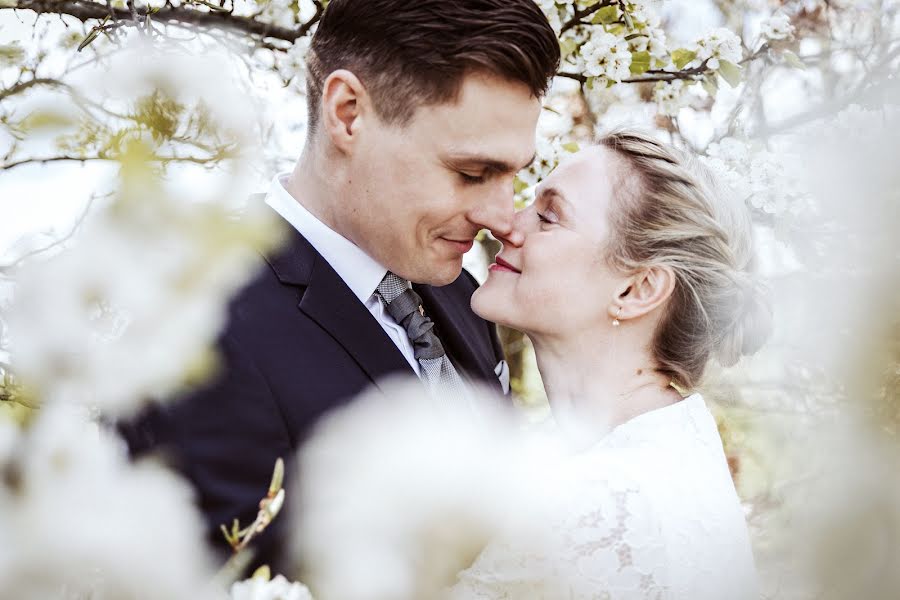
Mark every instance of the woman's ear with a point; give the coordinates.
(343, 100)
(644, 292)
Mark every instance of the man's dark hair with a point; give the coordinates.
(412, 53)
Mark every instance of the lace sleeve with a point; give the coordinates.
(601, 542)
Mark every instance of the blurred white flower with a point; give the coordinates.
(777, 27)
(671, 96)
(606, 56)
(278, 12)
(768, 181)
(79, 520)
(551, 11)
(396, 498)
(291, 65)
(279, 588)
(720, 44)
(125, 313)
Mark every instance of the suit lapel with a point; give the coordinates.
(458, 329)
(332, 305)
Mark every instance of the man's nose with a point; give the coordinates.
(494, 210)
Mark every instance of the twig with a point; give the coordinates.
(87, 11)
(24, 85)
(55, 244)
(585, 12)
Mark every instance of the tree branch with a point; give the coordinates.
(585, 12)
(20, 87)
(87, 11)
(54, 244)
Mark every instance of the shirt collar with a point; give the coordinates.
(360, 272)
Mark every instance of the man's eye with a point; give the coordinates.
(472, 179)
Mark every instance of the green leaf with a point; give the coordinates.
(87, 41)
(792, 59)
(710, 85)
(263, 572)
(567, 46)
(730, 72)
(682, 57)
(570, 147)
(640, 62)
(11, 54)
(519, 186)
(589, 84)
(606, 15)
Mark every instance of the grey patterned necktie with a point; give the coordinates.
(405, 306)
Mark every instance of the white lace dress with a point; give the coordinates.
(650, 512)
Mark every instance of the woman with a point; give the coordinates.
(630, 270)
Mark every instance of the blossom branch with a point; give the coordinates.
(585, 12)
(88, 11)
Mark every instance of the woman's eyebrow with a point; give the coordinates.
(552, 195)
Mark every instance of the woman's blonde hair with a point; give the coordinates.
(669, 210)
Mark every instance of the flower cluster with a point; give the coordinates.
(78, 520)
(777, 27)
(759, 176)
(671, 96)
(719, 45)
(262, 588)
(606, 57)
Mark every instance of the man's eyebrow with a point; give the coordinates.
(486, 162)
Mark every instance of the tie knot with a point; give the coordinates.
(391, 287)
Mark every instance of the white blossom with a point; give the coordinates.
(671, 96)
(720, 44)
(141, 295)
(397, 513)
(551, 11)
(291, 65)
(279, 588)
(78, 520)
(652, 40)
(606, 56)
(278, 12)
(777, 27)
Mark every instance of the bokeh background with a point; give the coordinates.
(130, 133)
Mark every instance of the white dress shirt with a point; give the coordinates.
(360, 272)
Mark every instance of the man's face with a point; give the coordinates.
(422, 191)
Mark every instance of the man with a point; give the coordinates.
(420, 114)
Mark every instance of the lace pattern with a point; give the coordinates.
(650, 513)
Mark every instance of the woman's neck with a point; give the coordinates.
(594, 384)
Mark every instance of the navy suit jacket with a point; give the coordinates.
(297, 343)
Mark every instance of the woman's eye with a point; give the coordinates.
(544, 219)
(472, 179)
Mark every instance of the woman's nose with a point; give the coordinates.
(516, 235)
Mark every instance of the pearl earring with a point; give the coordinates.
(616, 319)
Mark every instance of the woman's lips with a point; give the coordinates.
(502, 265)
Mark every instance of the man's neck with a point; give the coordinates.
(310, 184)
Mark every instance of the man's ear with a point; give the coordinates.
(644, 292)
(344, 100)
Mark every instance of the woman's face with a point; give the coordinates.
(551, 277)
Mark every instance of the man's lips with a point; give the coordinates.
(502, 265)
(461, 246)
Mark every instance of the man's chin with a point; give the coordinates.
(439, 273)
